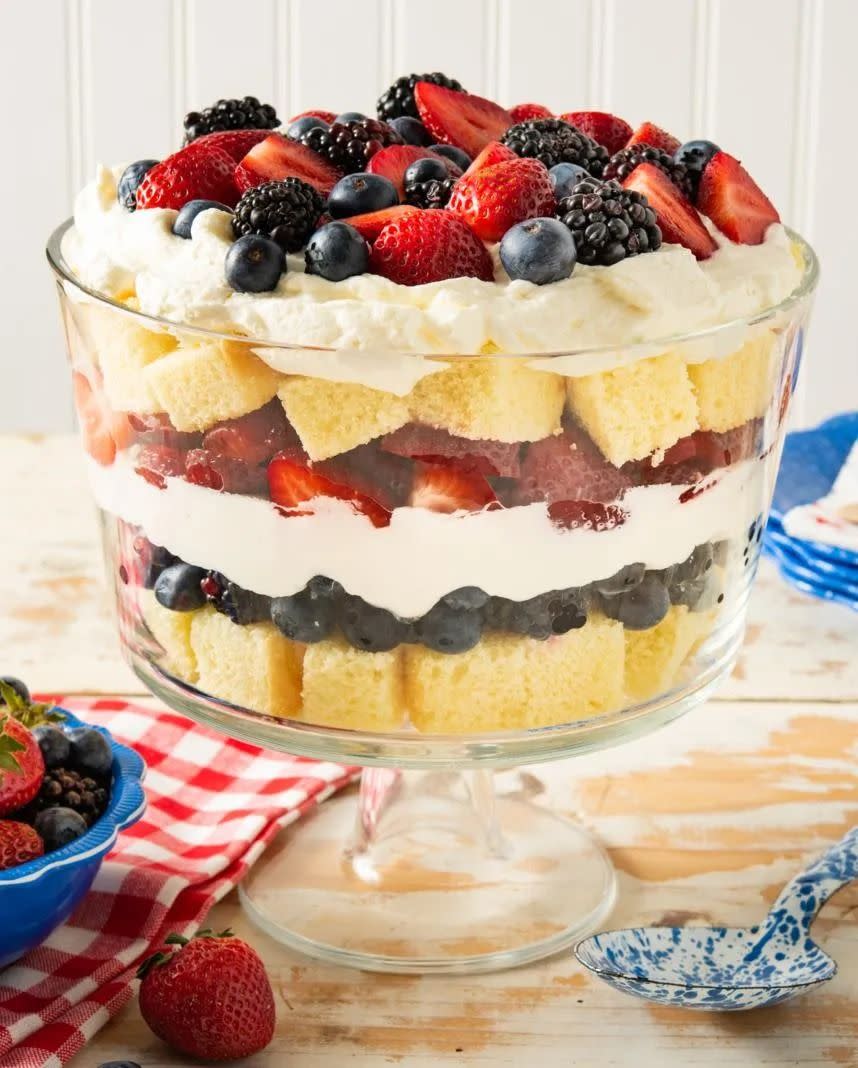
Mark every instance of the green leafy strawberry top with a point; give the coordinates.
(29, 714)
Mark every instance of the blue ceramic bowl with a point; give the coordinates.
(41, 895)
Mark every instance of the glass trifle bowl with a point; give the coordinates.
(430, 566)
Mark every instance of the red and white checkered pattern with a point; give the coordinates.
(214, 804)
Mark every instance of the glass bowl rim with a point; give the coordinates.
(804, 289)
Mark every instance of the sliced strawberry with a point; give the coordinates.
(156, 463)
(253, 438)
(236, 143)
(277, 157)
(429, 246)
(433, 445)
(444, 488)
(573, 515)
(316, 113)
(493, 153)
(292, 483)
(370, 225)
(498, 197)
(523, 112)
(604, 128)
(650, 134)
(19, 844)
(104, 431)
(677, 217)
(392, 163)
(197, 172)
(225, 474)
(373, 473)
(734, 202)
(461, 119)
(156, 429)
(566, 467)
(699, 454)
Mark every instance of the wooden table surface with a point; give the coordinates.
(704, 820)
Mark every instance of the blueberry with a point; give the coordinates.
(336, 251)
(466, 599)
(696, 565)
(132, 176)
(359, 193)
(625, 579)
(350, 116)
(19, 687)
(254, 264)
(372, 629)
(305, 123)
(538, 251)
(55, 745)
(308, 616)
(539, 617)
(694, 155)
(189, 212)
(59, 826)
(90, 752)
(641, 608)
(178, 588)
(564, 176)
(449, 631)
(457, 155)
(158, 561)
(412, 131)
(425, 170)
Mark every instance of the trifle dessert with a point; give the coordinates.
(453, 420)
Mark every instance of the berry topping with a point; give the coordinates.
(569, 467)
(396, 160)
(398, 100)
(694, 155)
(350, 116)
(254, 264)
(244, 114)
(351, 145)
(359, 194)
(640, 608)
(277, 157)
(104, 431)
(132, 176)
(460, 119)
(523, 112)
(291, 483)
(337, 251)
(308, 616)
(178, 588)
(493, 153)
(448, 630)
(429, 246)
(553, 141)
(198, 172)
(298, 127)
(677, 218)
(454, 154)
(605, 129)
(734, 202)
(624, 162)
(564, 177)
(57, 827)
(370, 226)
(412, 131)
(316, 113)
(286, 211)
(67, 788)
(538, 251)
(609, 223)
(447, 488)
(493, 199)
(432, 193)
(650, 134)
(236, 143)
(185, 218)
(434, 445)
(19, 843)
(375, 630)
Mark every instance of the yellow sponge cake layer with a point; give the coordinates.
(355, 690)
(654, 657)
(172, 631)
(124, 349)
(732, 390)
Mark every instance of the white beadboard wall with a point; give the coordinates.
(90, 80)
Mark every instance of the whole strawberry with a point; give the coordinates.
(201, 171)
(22, 766)
(210, 998)
(495, 198)
(18, 844)
(429, 246)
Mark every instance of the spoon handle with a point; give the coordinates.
(803, 897)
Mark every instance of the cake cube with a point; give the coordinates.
(634, 411)
(334, 417)
(736, 388)
(655, 656)
(199, 385)
(124, 350)
(511, 682)
(172, 631)
(349, 688)
(252, 666)
(499, 399)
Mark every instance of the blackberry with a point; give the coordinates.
(64, 788)
(622, 163)
(351, 145)
(244, 114)
(398, 100)
(609, 223)
(286, 211)
(553, 141)
(432, 194)
(240, 605)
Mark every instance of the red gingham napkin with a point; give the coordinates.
(214, 804)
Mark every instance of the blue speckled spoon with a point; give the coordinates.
(730, 968)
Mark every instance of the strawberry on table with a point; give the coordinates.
(208, 997)
(19, 843)
(446, 488)
(277, 157)
(429, 246)
(197, 172)
(454, 118)
(392, 163)
(677, 217)
(496, 198)
(292, 482)
(604, 128)
(734, 202)
(650, 134)
(104, 431)
(523, 112)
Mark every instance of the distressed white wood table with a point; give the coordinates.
(704, 820)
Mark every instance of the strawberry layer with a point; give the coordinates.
(407, 566)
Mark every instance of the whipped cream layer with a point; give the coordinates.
(122, 254)
(406, 567)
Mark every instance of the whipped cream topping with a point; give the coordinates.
(407, 566)
(124, 254)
